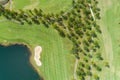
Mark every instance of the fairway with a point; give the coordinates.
(57, 62)
(57, 59)
(110, 14)
(48, 6)
(55, 5)
(20, 4)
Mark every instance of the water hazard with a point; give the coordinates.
(15, 64)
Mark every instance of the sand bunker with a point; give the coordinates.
(37, 52)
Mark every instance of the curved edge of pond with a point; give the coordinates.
(32, 63)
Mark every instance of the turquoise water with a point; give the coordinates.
(15, 65)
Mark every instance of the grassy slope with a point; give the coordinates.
(46, 5)
(56, 58)
(19, 4)
(110, 12)
(55, 5)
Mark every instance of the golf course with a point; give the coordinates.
(57, 59)
(67, 39)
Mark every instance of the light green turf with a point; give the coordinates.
(57, 60)
(110, 13)
(55, 5)
(48, 6)
(19, 4)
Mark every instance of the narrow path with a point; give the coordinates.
(32, 5)
(107, 43)
(76, 60)
(108, 47)
(89, 78)
(10, 4)
(14, 21)
(106, 40)
(69, 9)
(2, 20)
(92, 12)
(75, 69)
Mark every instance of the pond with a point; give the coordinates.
(15, 64)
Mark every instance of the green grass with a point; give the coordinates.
(110, 13)
(20, 4)
(56, 58)
(48, 6)
(54, 47)
(55, 5)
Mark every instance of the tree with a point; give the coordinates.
(62, 33)
(89, 73)
(98, 68)
(107, 64)
(96, 77)
(99, 56)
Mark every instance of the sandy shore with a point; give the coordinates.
(37, 51)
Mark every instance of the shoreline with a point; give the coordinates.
(31, 57)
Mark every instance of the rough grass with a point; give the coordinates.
(110, 13)
(20, 4)
(48, 6)
(55, 5)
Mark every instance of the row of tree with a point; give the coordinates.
(77, 25)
